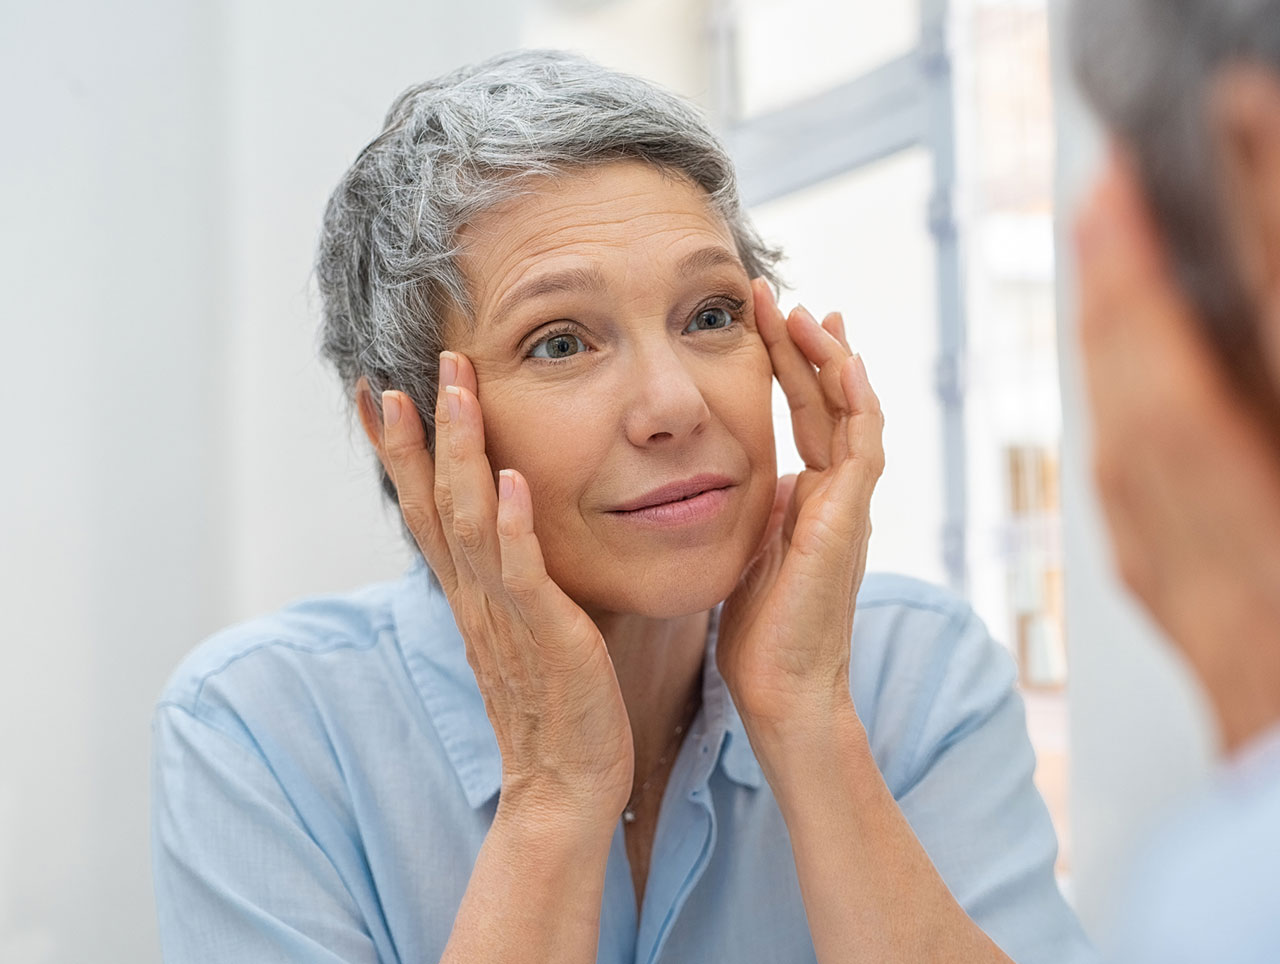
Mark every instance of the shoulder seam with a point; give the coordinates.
(327, 644)
(943, 609)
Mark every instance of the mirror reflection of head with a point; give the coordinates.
(527, 211)
(1191, 89)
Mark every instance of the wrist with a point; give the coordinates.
(546, 832)
(800, 756)
(810, 715)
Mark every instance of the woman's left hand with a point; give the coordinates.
(785, 632)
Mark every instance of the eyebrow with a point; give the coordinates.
(591, 279)
(704, 259)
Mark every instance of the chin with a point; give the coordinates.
(667, 589)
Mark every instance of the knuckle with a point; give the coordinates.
(523, 587)
(416, 515)
(469, 533)
(444, 499)
(508, 528)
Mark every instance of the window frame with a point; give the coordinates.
(907, 102)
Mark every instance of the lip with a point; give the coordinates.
(676, 492)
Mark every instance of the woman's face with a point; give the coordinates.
(616, 355)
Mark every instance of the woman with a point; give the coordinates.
(1180, 332)
(562, 747)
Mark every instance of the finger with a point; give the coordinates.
(413, 473)
(834, 323)
(466, 373)
(864, 432)
(442, 490)
(472, 496)
(524, 571)
(781, 503)
(824, 350)
(797, 378)
(462, 500)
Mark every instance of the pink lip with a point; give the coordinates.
(699, 509)
(676, 492)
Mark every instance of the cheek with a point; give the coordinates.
(747, 404)
(548, 439)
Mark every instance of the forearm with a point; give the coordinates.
(534, 894)
(870, 891)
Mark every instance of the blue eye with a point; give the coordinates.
(710, 319)
(560, 345)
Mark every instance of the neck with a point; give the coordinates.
(659, 667)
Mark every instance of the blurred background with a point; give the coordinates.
(178, 459)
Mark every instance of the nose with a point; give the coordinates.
(666, 403)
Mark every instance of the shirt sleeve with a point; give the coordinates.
(970, 798)
(238, 878)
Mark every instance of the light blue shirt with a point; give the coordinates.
(1208, 885)
(324, 777)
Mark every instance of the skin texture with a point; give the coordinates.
(586, 631)
(642, 403)
(1187, 468)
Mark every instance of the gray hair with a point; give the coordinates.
(453, 148)
(1148, 67)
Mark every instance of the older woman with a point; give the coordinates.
(624, 711)
(1180, 325)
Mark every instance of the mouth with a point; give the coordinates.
(689, 500)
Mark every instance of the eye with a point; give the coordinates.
(561, 344)
(710, 319)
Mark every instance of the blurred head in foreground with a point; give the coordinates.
(1179, 249)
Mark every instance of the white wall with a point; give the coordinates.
(1139, 732)
(175, 456)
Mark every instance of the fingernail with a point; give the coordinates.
(861, 367)
(807, 313)
(390, 409)
(506, 484)
(448, 368)
(453, 400)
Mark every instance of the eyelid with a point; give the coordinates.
(727, 302)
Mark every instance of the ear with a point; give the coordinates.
(1245, 115)
(371, 418)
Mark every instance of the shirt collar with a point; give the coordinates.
(436, 659)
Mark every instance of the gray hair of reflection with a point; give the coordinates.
(1148, 67)
(454, 147)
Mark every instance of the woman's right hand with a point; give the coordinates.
(546, 677)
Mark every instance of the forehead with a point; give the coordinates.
(607, 219)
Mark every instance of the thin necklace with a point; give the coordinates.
(690, 711)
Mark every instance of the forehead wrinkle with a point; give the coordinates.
(568, 226)
(588, 278)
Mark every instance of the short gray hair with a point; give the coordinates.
(1148, 67)
(453, 148)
